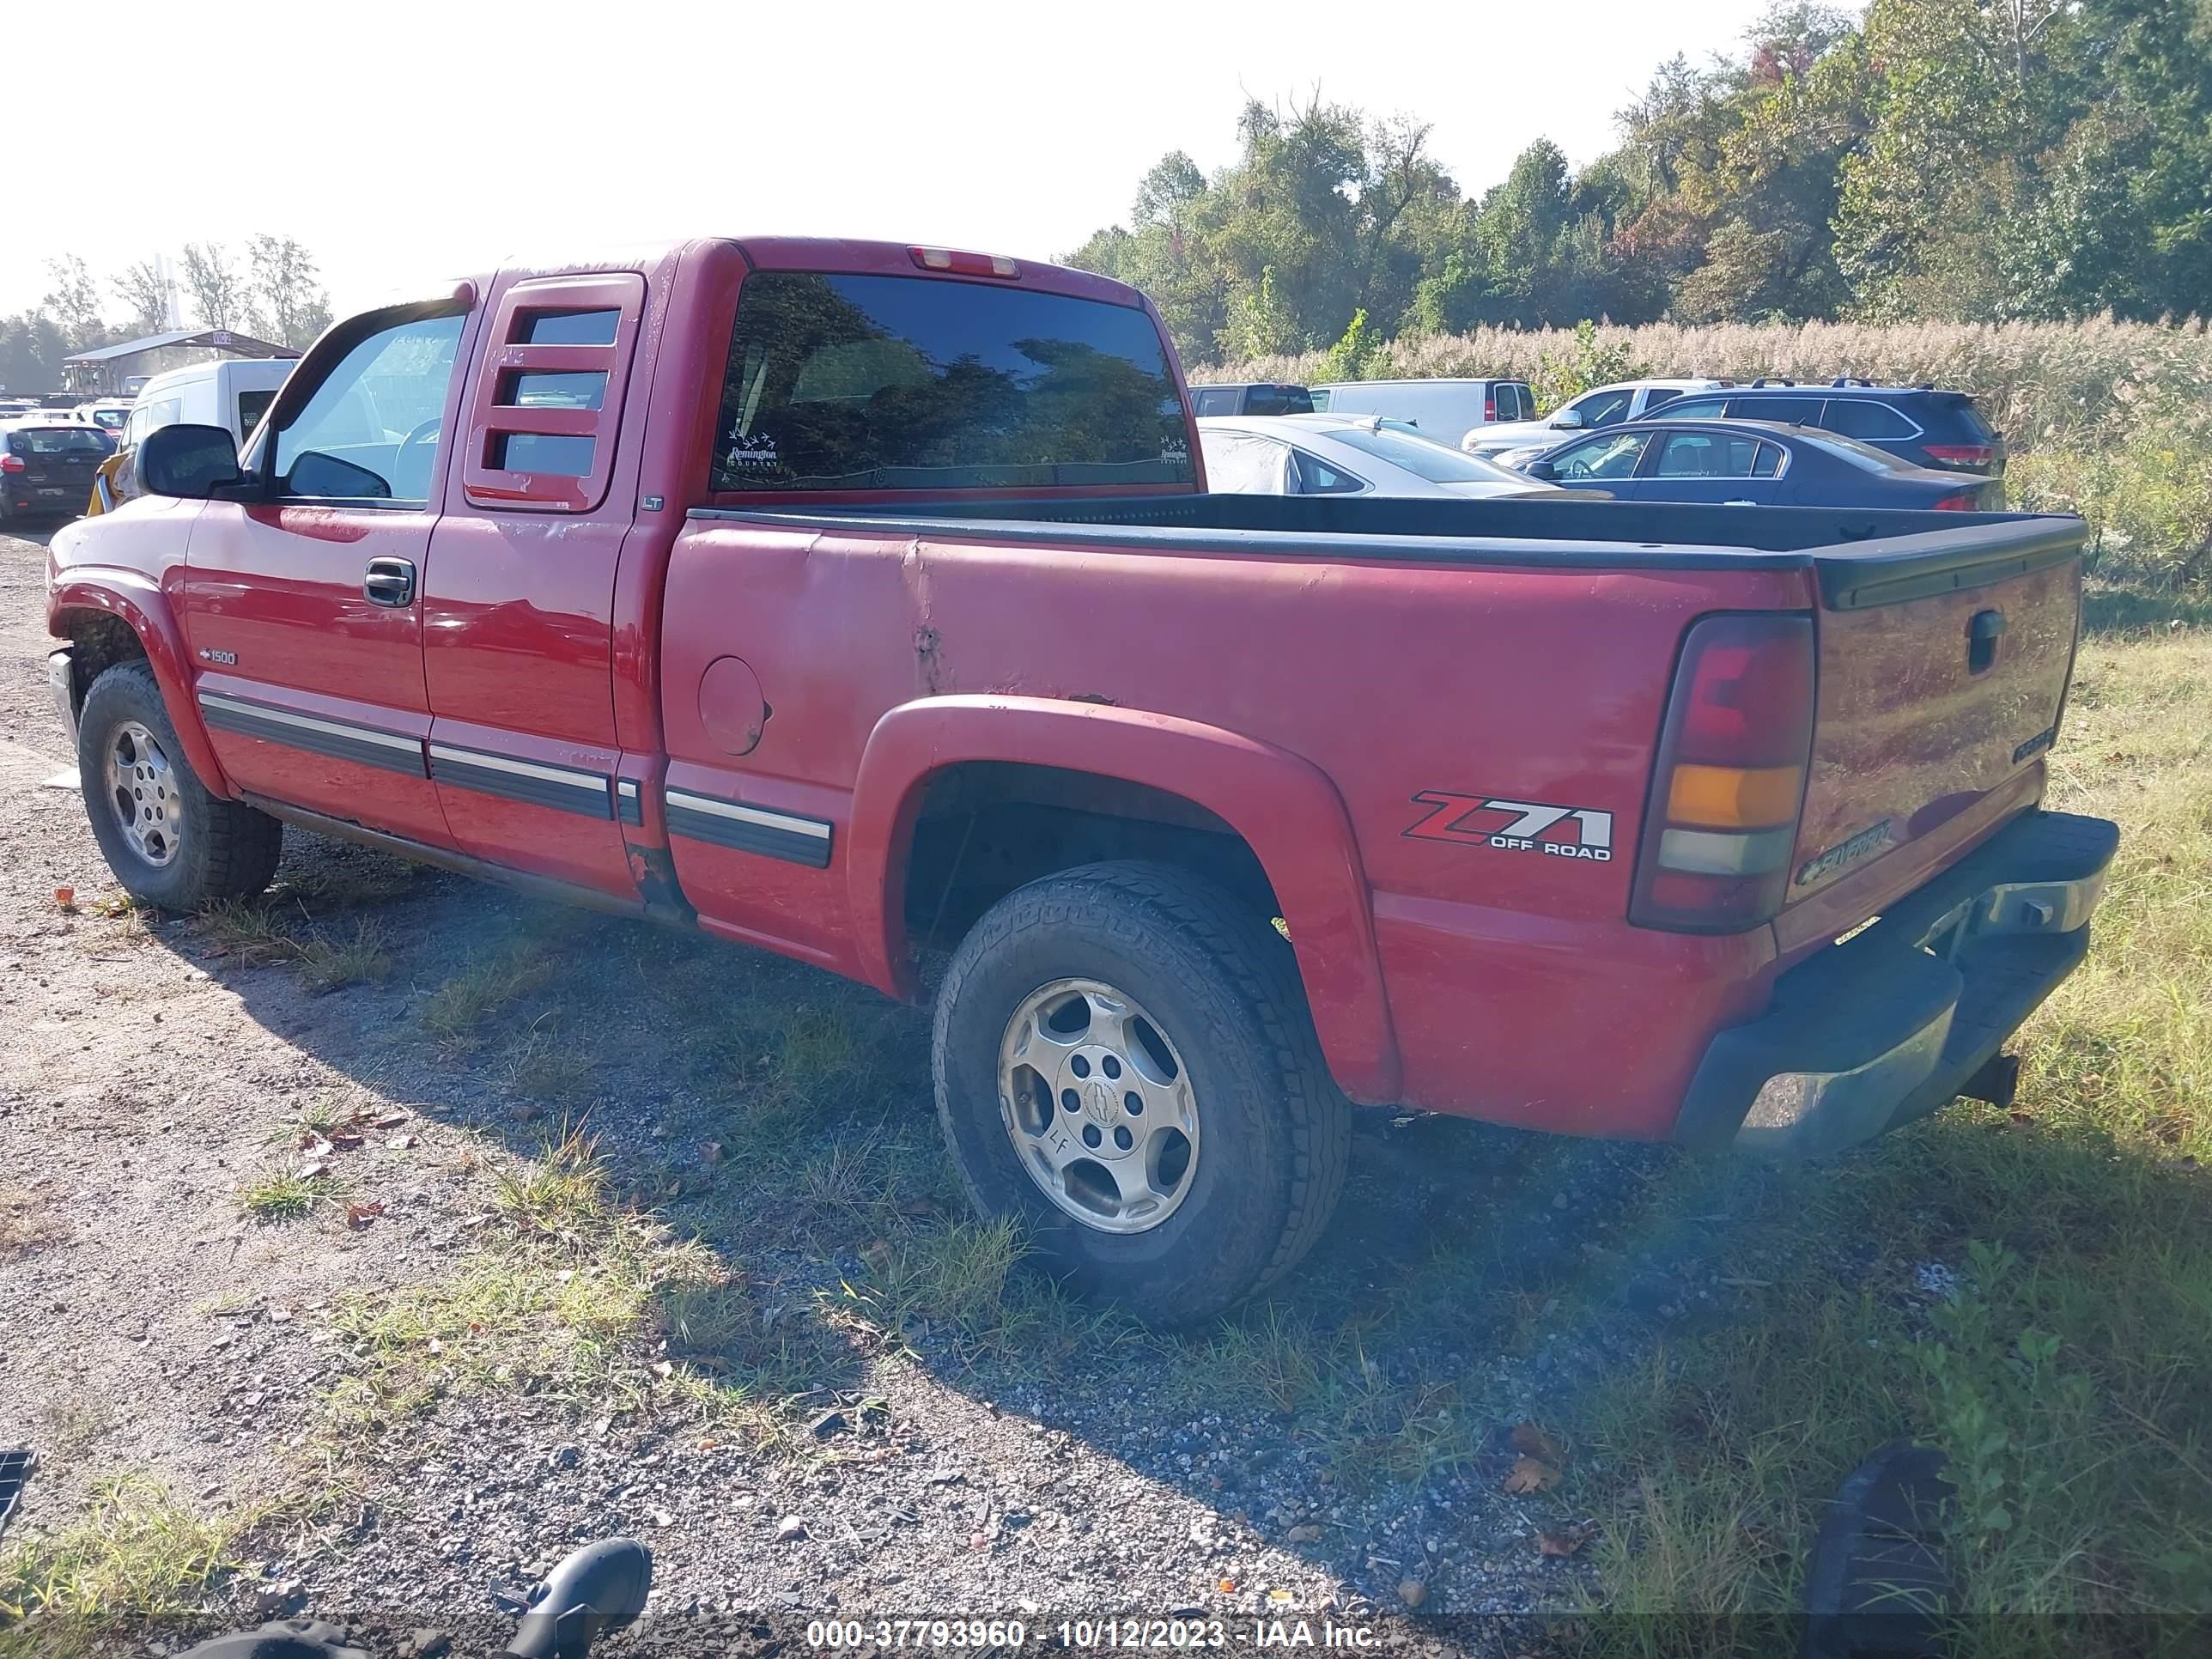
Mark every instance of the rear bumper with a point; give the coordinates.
(1887, 1027)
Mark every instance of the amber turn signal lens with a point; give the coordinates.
(1734, 797)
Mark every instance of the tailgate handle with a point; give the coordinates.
(1982, 637)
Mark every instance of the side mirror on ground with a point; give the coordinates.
(1568, 420)
(193, 462)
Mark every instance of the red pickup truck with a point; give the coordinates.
(843, 598)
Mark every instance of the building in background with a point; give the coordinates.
(117, 371)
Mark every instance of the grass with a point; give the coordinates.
(575, 1294)
(264, 930)
(285, 1195)
(2060, 1360)
(454, 1013)
(136, 1555)
(27, 1220)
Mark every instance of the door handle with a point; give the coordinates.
(389, 581)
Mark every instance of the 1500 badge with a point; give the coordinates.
(1514, 826)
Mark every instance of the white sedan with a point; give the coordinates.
(1344, 455)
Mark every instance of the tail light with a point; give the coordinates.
(1490, 406)
(1966, 500)
(12, 463)
(1730, 780)
(1961, 454)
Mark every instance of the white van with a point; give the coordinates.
(233, 393)
(1446, 411)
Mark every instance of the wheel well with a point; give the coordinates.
(988, 827)
(98, 642)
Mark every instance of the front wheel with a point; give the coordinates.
(170, 842)
(1125, 1063)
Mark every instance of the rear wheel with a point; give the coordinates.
(168, 841)
(1125, 1063)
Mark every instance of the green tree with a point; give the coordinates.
(290, 306)
(144, 291)
(217, 287)
(73, 303)
(32, 347)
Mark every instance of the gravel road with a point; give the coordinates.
(1344, 1453)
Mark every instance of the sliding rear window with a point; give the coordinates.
(853, 383)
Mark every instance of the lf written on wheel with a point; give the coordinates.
(169, 842)
(1125, 1064)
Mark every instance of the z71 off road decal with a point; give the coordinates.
(1514, 826)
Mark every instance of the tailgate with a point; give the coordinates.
(1940, 682)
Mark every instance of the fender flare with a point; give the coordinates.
(137, 601)
(1285, 808)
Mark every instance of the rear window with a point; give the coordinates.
(1698, 409)
(1862, 417)
(850, 383)
(1423, 459)
(57, 440)
(1970, 418)
(1278, 400)
(1859, 455)
(110, 420)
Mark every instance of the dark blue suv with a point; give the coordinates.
(1919, 424)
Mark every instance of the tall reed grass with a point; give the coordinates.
(2036, 381)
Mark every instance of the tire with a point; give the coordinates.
(200, 848)
(1220, 987)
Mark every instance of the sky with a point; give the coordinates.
(402, 143)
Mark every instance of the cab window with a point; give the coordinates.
(1603, 407)
(370, 430)
(1615, 456)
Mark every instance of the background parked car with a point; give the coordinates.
(46, 466)
(107, 413)
(1250, 397)
(1756, 463)
(233, 394)
(1602, 406)
(1444, 410)
(1919, 424)
(1344, 455)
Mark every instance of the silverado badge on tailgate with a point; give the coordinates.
(1844, 852)
(1514, 826)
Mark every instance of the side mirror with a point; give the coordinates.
(194, 462)
(1568, 420)
(1541, 470)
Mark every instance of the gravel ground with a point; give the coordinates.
(151, 1068)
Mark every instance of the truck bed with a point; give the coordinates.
(1862, 556)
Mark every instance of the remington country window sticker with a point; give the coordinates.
(1514, 826)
